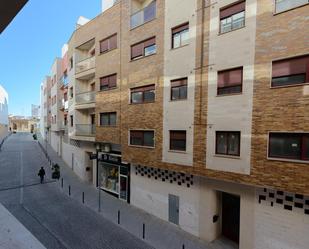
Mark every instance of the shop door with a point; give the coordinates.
(173, 209)
(123, 194)
(230, 216)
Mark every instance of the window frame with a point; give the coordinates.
(108, 41)
(180, 32)
(179, 86)
(288, 59)
(143, 138)
(275, 12)
(301, 135)
(170, 140)
(109, 119)
(227, 143)
(143, 48)
(229, 6)
(109, 87)
(241, 85)
(143, 89)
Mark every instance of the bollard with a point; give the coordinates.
(69, 189)
(62, 182)
(143, 230)
(183, 246)
(99, 209)
(83, 198)
(118, 217)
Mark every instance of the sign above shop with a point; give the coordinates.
(93, 156)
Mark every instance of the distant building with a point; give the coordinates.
(3, 112)
(23, 124)
(35, 111)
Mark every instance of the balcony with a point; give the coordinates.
(85, 100)
(64, 105)
(64, 81)
(87, 130)
(83, 68)
(144, 15)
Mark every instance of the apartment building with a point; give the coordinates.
(197, 114)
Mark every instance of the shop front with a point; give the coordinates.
(114, 176)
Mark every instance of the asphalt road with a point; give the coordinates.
(56, 220)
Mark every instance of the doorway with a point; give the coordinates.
(173, 209)
(230, 216)
(89, 167)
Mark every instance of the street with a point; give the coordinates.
(56, 220)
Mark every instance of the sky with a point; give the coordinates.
(29, 45)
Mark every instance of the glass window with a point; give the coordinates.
(289, 145)
(180, 35)
(149, 138)
(150, 50)
(112, 118)
(149, 96)
(282, 5)
(108, 119)
(136, 97)
(289, 80)
(109, 177)
(104, 119)
(178, 140)
(228, 143)
(142, 138)
(233, 22)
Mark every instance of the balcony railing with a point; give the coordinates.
(64, 81)
(84, 129)
(85, 98)
(85, 65)
(144, 15)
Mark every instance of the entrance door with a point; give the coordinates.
(230, 216)
(173, 209)
(123, 193)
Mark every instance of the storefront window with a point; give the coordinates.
(109, 177)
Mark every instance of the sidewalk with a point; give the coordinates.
(158, 233)
(14, 235)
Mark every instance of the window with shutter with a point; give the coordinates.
(291, 71)
(145, 94)
(232, 17)
(142, 138)
(108, 44)
(144, 48)
(178, 140)
(180, 35)
(230, 81)
(108, 82)
(179, 89)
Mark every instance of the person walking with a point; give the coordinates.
(41, 174)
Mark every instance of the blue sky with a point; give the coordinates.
(30, 43)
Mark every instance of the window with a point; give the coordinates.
(71, 92)
(145, 48)
(232, 17)
(71, 120)
(145, 94)
(180, 35)
(228, 143)
(283, 5)
(71, 63)
(144, 15)
(108, 119)
(290, 71)
(179, 89)
(230, 81)
(108, 82)
(108, 44)
(289, 146)
(178, 140)
(142, 138)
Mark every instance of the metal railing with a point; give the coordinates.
(85, 98)
(85, 64)
(84, 129)
(144, 15)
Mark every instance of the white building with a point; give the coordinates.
(4, 99)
